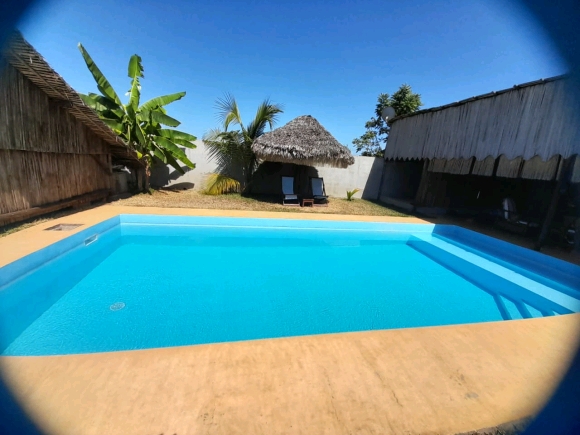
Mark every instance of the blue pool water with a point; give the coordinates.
(149, 282)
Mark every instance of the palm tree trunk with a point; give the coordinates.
(249, 175)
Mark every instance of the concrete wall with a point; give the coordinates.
(165, 176)
(364, 174)
(400, 179)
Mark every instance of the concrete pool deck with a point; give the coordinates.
(437, 380)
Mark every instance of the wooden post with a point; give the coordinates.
(423, 184)
(140, 175)
(553, 203)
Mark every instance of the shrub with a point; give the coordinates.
(350, 194)
(218, 184)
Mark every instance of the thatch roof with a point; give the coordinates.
(303, 141)
(528, 120)
(22, 56)
(478, 97)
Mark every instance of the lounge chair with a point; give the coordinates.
(512, 221)
(509, 210)
(318, 192)
(290, 198)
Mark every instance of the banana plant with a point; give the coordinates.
(141, 126)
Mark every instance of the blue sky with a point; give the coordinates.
(328, 59)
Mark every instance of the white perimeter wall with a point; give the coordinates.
(164, 176)
(364, 174)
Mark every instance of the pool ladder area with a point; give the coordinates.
(516, 296)
(513, 309)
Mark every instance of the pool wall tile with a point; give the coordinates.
(14, 270)
(271, 223)
(22, 303)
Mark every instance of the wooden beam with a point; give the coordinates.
(423, 184)
(566, 164)
(77, 201)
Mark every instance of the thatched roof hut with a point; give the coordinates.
(23, 57)
(303, 141)
(55, 152)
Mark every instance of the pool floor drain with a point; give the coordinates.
(117, 306)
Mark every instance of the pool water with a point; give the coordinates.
(141, 285)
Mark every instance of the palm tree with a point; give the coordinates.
(140, 126)
(232, 149)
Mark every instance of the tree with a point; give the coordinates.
(232, 149)
(140, 126)
(374, 140)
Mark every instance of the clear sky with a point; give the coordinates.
(328, 59)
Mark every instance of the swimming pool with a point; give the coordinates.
(143, 281)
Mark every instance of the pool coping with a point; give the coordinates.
(32, 239)
(444, 379)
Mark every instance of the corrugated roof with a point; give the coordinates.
(23, 56)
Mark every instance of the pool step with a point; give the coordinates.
(513, 312)
(534, 270)
(496, 279)
(558, 274)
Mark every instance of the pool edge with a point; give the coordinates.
(25, 242)
(480, 375)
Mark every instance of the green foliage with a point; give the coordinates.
(350, 194)
(232, 149)
(374, 140)
(140, 126)
(218, 184)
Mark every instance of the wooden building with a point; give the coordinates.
(467, 156)
(54, 151)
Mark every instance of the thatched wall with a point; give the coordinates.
(46, 155)
(533, 169)
(533, 119)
